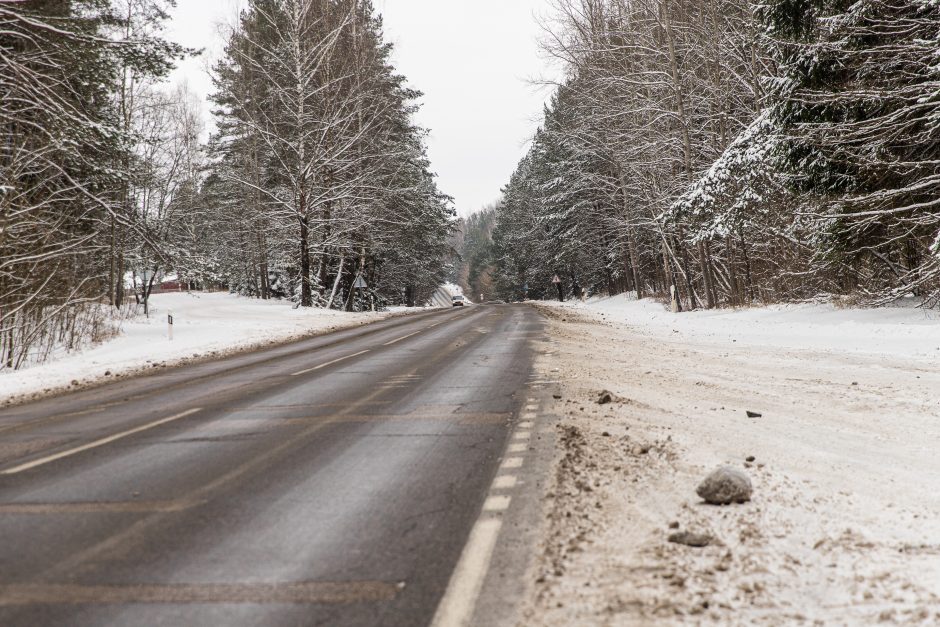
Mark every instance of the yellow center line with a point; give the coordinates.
(329, 363)
(111, 438)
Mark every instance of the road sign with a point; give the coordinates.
(360, 283)
(556, 280)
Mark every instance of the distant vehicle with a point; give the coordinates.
(458, 301)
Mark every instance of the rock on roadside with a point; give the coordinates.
(696, 540)
(725, 486)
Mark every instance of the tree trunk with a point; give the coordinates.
(706, 275)
(306, 296)
(748, 283)
(635, 267)
(119, 283)
(339, 275)
(732, 272)
(112, 293)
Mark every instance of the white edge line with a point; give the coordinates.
(456, 608)
(329, 363)
(458, 604)
(111, 438)
(505, 482)
(497, 503)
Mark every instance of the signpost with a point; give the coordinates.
(145, 294)
(360, 284)
(561, 294)
(169, 325)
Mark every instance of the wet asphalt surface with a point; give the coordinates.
(332, 481)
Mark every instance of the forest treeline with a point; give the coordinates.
(315, 176)
(740, 151)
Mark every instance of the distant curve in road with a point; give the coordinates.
(332, 481)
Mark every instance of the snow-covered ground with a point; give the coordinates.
(844, 524)
(901, 330)
(205, 325)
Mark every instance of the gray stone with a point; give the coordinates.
(688, 538)
(725, 486)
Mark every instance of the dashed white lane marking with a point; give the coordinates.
(85, 447)
(505, 482)
(512, 462)
(404, 337)
(459, 602)
(497, 503)
(456, 608)
(329, 363)
(529, 415)
(531, 407)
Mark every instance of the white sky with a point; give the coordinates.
(473, 60)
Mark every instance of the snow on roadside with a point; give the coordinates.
(843, 525)
(901, 331)
(205, 325)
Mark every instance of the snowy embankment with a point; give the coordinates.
(205, 325)
(834, 414)
(902, 330)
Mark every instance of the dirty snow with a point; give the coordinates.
(205, 325)
(844, 524)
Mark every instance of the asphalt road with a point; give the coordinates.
(332, 481)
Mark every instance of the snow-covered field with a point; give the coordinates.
(901, 330)
(844, 524)
(205, 325)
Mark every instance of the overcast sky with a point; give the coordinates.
(473, 60)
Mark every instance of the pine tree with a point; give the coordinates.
(858, 102)
(60, 158)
